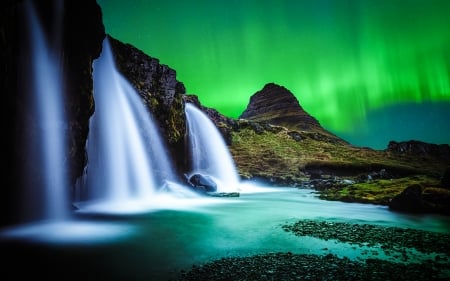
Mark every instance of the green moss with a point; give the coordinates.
(154, 103)
(277, 153)
(377, 191)
(175, 122)
(286, 157)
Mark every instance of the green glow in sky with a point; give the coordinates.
(342, 59)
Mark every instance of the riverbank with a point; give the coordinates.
(288, 266)
(413, 194)
(394, 242)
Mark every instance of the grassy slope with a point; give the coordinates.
(275, 155)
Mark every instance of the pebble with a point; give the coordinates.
(288, 266)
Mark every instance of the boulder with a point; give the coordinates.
(445, 180)
(223, 194)
(202, 183)
(409, 200)
(415, 199)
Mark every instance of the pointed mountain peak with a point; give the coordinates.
(277, 105)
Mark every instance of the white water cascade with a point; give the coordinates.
(127, 160)
(45, 170)
(208, 151)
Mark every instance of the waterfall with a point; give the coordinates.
(126, 156)
(46, 194)
(208, 151)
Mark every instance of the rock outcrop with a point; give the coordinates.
(277, 105)
(416, 199)
(420, 149)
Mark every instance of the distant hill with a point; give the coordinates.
(277, 105)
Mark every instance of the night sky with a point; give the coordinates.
(370, 71)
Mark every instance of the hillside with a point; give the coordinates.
(276, 142)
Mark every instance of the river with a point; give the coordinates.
(157, 244)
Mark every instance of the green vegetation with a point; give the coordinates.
(286, 157)
(380, 191)
(268, 153)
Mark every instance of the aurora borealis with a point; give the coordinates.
(369, 70)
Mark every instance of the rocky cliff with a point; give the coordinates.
(420, 149)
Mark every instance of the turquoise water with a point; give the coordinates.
(158, 243)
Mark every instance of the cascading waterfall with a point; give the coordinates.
(46, 181)
(126, 157)
(208, 151)
(127, 161)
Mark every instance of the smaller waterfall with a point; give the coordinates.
(208, 151)
(126, 157)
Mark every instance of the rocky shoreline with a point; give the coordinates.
(288, 266)
(395, 242)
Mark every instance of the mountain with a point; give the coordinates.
(277, 105)
(276, 141)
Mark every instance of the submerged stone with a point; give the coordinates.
(223, 194)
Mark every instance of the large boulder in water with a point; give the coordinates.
(202, 183)
(409, 200)
(416, 199)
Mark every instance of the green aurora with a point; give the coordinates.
(352, 64)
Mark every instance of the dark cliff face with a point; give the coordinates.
(276, 105)
(79, 36)
(83, 34)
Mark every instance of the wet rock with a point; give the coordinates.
(202, 183)
(223, 194)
